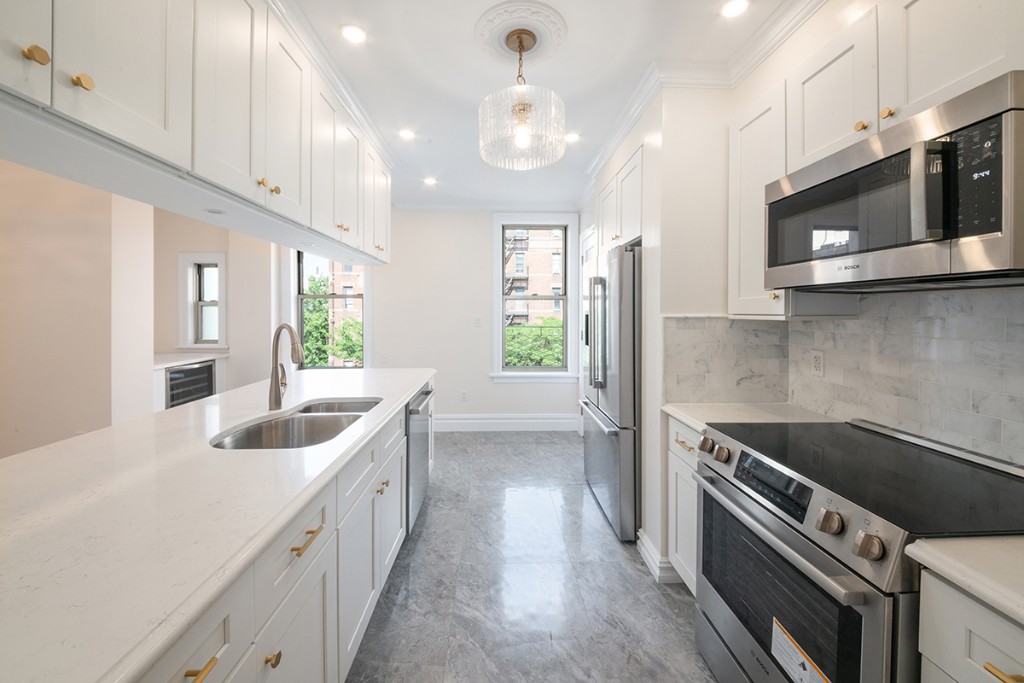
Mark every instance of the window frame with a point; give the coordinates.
(190, 305)
(301, 297)
(570, 223)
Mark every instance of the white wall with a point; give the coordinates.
(131, 296)
(250, 297)
(424, 310)
(55, 283)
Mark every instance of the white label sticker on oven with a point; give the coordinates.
(795, 662)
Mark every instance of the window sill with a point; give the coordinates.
(534, 378)
(202, 347)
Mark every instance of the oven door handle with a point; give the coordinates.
(840, 594)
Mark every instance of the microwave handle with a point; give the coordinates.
(920, 228)
(839, 593)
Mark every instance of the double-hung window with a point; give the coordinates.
(331, 312)
(207, 306)
(202, 317)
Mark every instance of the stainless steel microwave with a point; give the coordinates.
(935, 201)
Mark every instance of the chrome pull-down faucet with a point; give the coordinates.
(278, 378)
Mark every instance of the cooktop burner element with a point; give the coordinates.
(921, 490)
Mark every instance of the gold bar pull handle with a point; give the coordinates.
(35, 53)
(299, 550)
(199, 675)
(273, 660)
(83, 81)
(1003, 677)
(685, 445)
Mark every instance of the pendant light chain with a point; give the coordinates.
(520, 79)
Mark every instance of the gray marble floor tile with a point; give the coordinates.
(372, 671)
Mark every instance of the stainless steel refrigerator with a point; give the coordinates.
(611, 402)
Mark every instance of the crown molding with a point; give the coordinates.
(775, 31)
(465, 207)
(302, 30)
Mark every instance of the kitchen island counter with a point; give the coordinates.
(112, 543)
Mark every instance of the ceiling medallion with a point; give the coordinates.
(542, 20)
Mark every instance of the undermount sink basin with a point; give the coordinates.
(341, 405)
(290, 431)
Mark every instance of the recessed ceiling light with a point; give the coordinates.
(353, 34)
(406, 134)
(430, 181)
(734, 8)
(572, 137)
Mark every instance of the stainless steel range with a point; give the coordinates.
(803, 575)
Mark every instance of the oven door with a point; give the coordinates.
(777, 607)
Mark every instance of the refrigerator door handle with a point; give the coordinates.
(598, 333)
(608, 430)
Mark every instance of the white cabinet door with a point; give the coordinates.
(26, 48)
(324, 180)
(392, 511)
(300, 641)
(358, 573)
(757, 156)
(629, 182)
(608, 214)
(229, 135)
(832, 98)
(289, 86)
(932, 50)
(369, 176)
(382, 210)
(682, 520)
(132, 60)
(347, 199)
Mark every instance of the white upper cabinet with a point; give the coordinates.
(832, 98)
(620, 204)
(289, 86)
(376, 204)
(26, 48)
(324, 176)
(347, 141)
(932, 50)
(124, 67)
(230, 95)
(757, 156)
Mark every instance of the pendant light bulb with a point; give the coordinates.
(522, 137)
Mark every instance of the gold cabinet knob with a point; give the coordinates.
(36, 54)
(380, 491)
(386, 482)
(615, 237)
(774, 296)
(199, 675)
(860, 125)
(83, 81)
(344, 228)
(273, 660)
(263, 182)
(276, 189)
(888, 112)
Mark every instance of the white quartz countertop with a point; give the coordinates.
(169, 360)
(991, 568)
(698, 415)
(113, 542)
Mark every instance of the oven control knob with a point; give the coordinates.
(706, 445)
(722, 454)
(868, 546)
(829, 521)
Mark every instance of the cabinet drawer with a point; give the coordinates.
(682, 440)
(392, 433)
(279, 566)
(356, 475)
(216, 641)
(960, 634)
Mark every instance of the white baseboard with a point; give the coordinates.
(660, 567)
(567, 422)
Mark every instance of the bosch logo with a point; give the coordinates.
(849, 266)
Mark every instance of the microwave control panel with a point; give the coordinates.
(979, 177)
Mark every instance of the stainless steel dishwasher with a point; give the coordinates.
(419, 422)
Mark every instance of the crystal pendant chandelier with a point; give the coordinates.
(522, 127)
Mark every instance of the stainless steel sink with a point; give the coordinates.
(291, 431)
(342, 405)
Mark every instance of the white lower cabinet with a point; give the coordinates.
(358, 574)
(392, 510)
(299, 642)
(682, 501)
(960, 637)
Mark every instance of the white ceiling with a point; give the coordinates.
(423, 68)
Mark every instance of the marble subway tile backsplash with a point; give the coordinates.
(946, 365)
(717, 360)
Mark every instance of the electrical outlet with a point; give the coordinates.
(818, 363)
(464, 396)
(477, 322)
